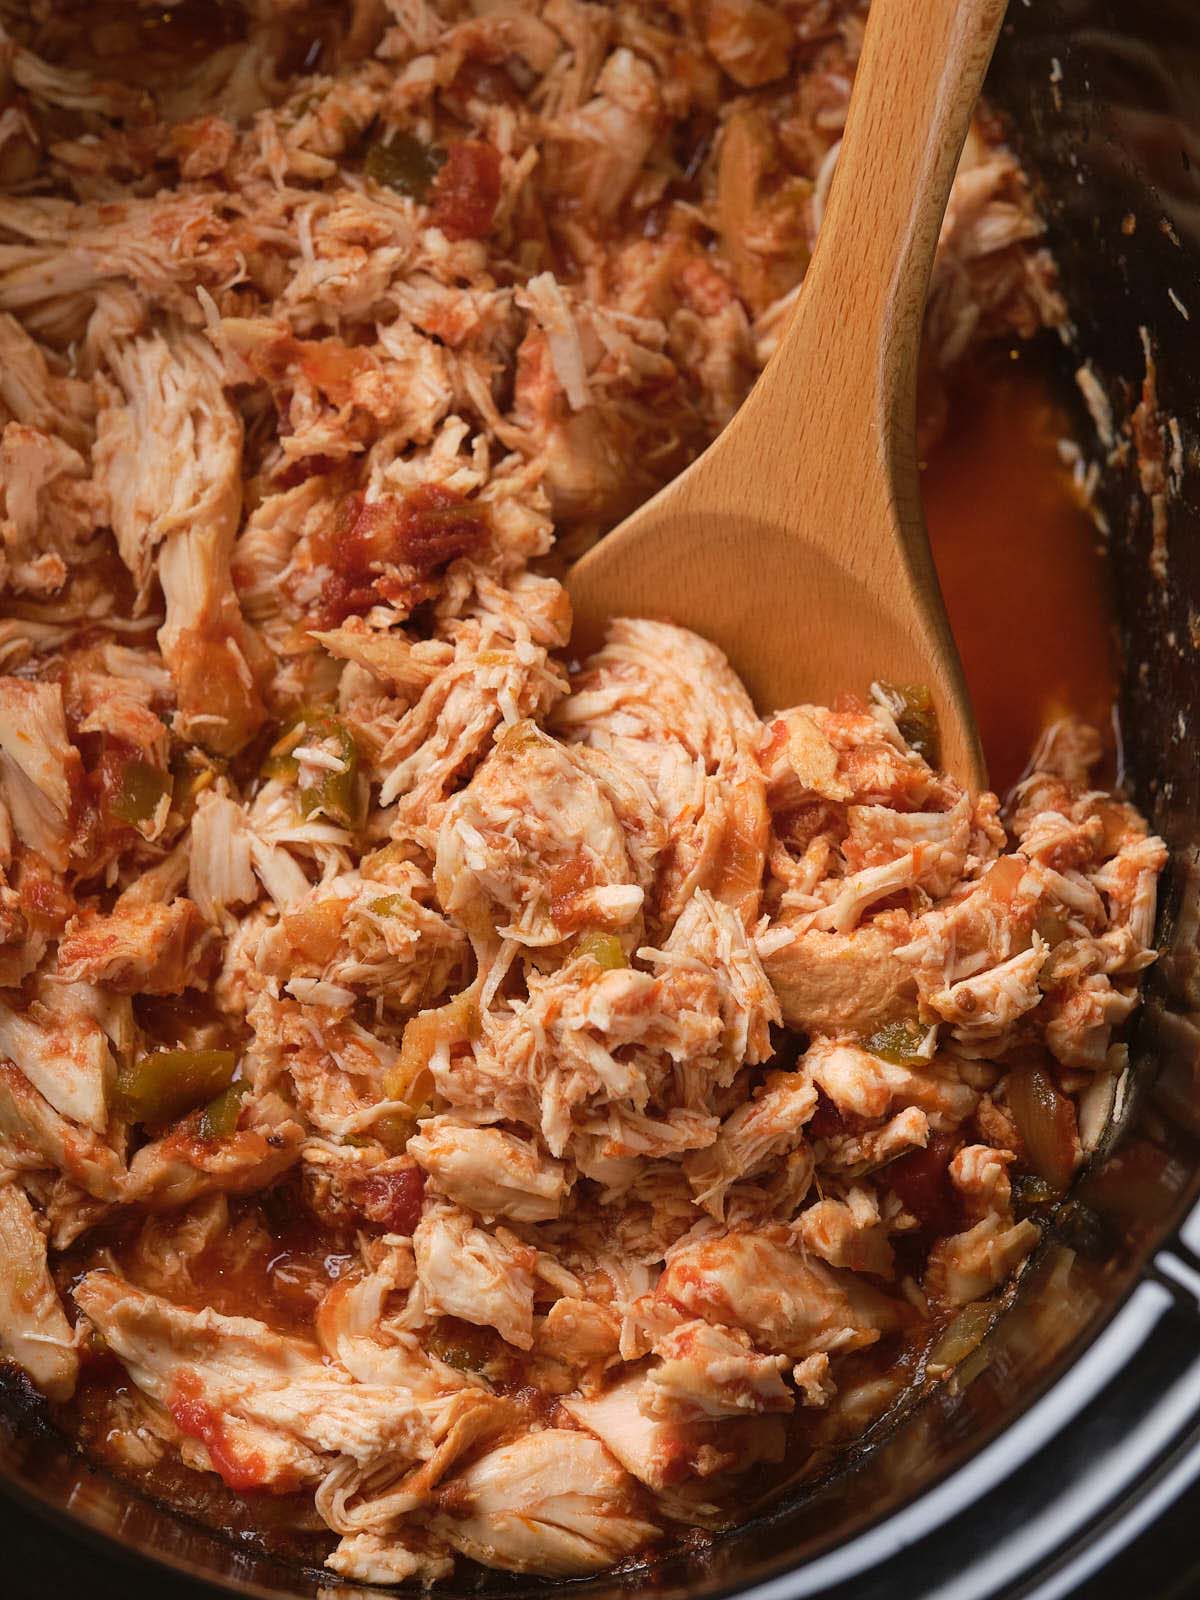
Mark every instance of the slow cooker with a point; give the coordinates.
(1062, 1443)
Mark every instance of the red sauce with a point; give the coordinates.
(467, 190)
(1024, 578)
(117, 41)
(196, 1418)
(45, 899)
(97, 775)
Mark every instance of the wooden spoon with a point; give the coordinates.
(797, 541)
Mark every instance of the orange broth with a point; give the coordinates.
(1020, 563)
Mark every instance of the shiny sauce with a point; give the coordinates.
(1020, 562)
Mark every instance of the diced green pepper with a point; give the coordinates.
(280, 762)
(605, 949)
(900, 1043)
(405, 164)
(189, 781)
(391, 905)
(393, 1131)
(220, 1116)
(160, 1088)
(458, 1349)
(142, 788)
(913, 708)
(336, 795)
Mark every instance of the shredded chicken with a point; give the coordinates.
(486, 1091)
(33, 1326)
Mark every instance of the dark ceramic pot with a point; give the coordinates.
(1078, 1421)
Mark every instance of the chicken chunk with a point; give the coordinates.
(494, 1173)
(481, 1277)
(864, 1084)
(176, 507)
(837, 982)
(532, 850)
(374, 1558)
(259, 1408)
(179, 1168)
(196, 1365)
(36, 1136)
(786, 1304)
(581, 1333)
(49, 509)
(554, 1503)
(65, 1057)
(591, 1047)
(38, 765)
(487, 682)
(661, 1450)
(668, 703)
(36, 393)
(220, 863)
(849, 1233)
(358, 1326)
(378, 937)
(34, 1331)
(754, 1136)
(155, 949)
(705, 1372)
(966, 1266)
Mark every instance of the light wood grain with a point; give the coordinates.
(797, 541)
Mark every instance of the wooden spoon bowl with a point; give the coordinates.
(797, 541)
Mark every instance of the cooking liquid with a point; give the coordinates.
(1024, 578)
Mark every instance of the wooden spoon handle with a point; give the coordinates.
(854, 339)
(796, 541)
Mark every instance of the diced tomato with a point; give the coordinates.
(314, 931)
(827, 1122)
(97, 783)
(333, 367)
(330, 364)
(922, 1181)
(417, 533)
(466, 191)
(392, 1200)
(776, 744)
(487, 81)
(567, 883)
